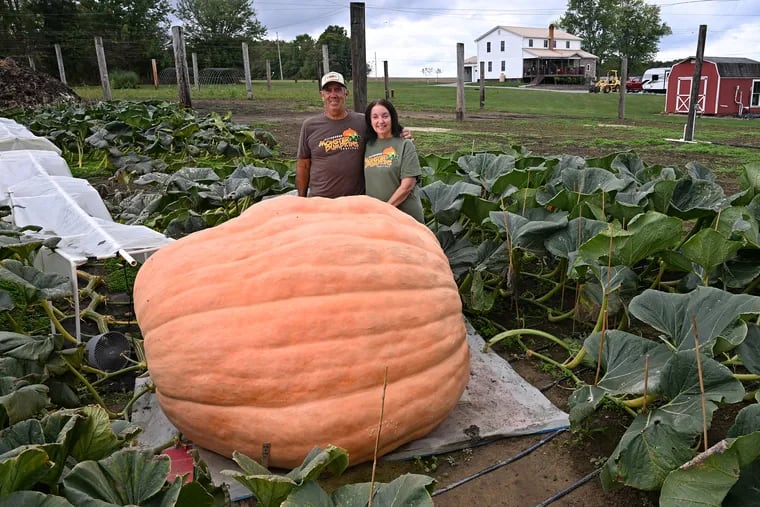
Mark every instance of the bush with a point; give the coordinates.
(121, 79)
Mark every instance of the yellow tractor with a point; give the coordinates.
(608, 83)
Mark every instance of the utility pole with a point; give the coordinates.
(696, 82)
(279, 59)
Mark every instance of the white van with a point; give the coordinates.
(655, 80)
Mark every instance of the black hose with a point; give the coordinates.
(500, 464)
(570, 488)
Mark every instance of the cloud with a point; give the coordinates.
(412, 34)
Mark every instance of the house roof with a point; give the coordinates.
(572, 54)
(532, 33)
(732, 67)
(471, 60)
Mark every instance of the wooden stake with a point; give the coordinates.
(701, 381)
(646, 383)
(377, 439)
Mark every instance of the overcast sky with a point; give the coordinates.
(413, 34)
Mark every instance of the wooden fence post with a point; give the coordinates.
(358, 56)
(154, 68)
(247, 70)
(196, 76)
(460, 81)
(59, 58)
(269, 76)
(180, 66)
(102, 68)
(482, 84)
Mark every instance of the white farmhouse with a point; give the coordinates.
(532, 55)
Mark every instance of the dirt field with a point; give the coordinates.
(554, 466)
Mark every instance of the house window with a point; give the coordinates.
(503, 65)
(546, 43)
(530, 43)
(502, 46)
(490, 66)
(755, 99)
(567, 44)
(554, 42)
(488, 47)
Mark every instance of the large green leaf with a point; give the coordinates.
(35, 284)
(680, 384)
(660, 440)
(747, 421)
(709, 249)
(645, 235)
(460, 251)
(647, 452)
(707, 479)
(29, 348)
(490, 171)
(96, 438)
(406, 490)
(624, 357)
(33, 499)
(446, 200)
(127, 477)
(23, 469)
(694, 198)
(567, 241)
(715, 311)
(749, 349)
(592, 180)
(20, 400)
(530, 229)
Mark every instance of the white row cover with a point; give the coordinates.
(14, 136)
(72, 209)
(39, 187)
(18, 166)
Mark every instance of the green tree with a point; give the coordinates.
(612, 29)
(301, 58)
(133, 32)
(338, 49)
(216, 29)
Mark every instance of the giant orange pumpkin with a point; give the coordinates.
(278, 326)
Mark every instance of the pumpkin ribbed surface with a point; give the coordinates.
(277, 326)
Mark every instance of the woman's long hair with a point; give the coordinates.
(396, 127)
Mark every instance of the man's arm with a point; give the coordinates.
(303, 169)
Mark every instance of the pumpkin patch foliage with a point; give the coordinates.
(655, 269)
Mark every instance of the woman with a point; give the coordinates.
(391, 166)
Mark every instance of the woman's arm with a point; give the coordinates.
(403, 191)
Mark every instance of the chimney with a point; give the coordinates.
(551, 36)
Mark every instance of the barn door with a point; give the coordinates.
(683, 94)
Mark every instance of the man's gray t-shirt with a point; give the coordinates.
(336, 150)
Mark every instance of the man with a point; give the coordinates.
(331, 146)
(330, 160)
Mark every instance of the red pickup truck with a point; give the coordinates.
(634, 85)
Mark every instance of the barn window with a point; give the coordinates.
(755, 100)
(488, 47)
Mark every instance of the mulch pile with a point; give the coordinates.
(23, 87)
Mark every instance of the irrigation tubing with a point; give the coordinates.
(570, 488)
(500, 464)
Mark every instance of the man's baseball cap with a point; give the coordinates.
(333, 77)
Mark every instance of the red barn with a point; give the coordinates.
(729, 86)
